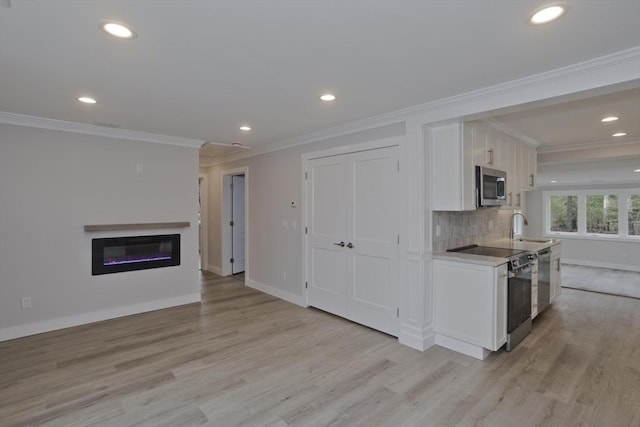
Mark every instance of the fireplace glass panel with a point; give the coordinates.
(118, 254)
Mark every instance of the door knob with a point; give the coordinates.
(350, 245)
(341, 244)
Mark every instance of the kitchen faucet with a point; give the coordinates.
(512, 216)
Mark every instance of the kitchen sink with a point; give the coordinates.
(535, 240)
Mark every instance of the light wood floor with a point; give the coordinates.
(246, 358)
(616, 282)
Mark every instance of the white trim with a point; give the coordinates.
(462, 347)
(95, 316)
(391, 141)
(589, 145)
(276, 292)
(214, 269)
(620, 68)
(608, 265)
(225, 249)
(419, 339)
(203, 232)
(82, 128)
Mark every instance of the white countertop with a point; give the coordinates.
(523, 245)
(470, 258)
(495, 261)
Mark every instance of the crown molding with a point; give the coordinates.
(85, 129)
(620, 68)
(588, 145)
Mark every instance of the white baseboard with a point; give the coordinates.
(13, 332)
(278, 293)
(462, 347)
(625, 267)
(214, 269)
(419, 339)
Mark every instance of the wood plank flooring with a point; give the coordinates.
(244, 358)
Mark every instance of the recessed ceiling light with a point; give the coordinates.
(619, 134)
(609, 119)
(547, 14)
(553, 182)
(636, 170)
(87, 100)
(245, 128)
(328, 97)
(118, 30)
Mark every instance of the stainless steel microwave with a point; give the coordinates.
(491, 187)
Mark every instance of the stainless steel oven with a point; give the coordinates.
(518, 299)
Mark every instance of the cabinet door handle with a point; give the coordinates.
(490, 161)
(341, 244)
(531, 180)
(518, 197)
(510, 198)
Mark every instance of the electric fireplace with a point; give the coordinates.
(118, 254)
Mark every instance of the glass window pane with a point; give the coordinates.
(602, 214)
(564, 213)
(633, 211)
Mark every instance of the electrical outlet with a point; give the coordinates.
(26, 302)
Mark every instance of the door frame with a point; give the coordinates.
(225, 218)
(370, 145)
(203, 190)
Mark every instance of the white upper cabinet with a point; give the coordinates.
(489, 147)
(455, 149)
(530, 168)
(452, 168)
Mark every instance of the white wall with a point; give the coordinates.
(275, 180)
(595, 253)
(51, 184)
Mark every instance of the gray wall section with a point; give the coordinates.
(52, 183)
(598, 253)
(275, 180)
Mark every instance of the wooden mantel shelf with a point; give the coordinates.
(138, 226)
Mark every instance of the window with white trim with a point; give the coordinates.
(593, 213)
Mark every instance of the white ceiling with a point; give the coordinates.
(578, 122)
(200, 69)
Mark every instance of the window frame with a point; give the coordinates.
(581, 233)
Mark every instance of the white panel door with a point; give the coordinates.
(372, 227)
(237, 216)
(352, 240)
(326, 253)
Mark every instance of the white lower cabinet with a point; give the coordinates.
(470, 307)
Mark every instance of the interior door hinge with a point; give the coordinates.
(397, 312)
(231, 223)
(398, 239)
(232, 260)
(306, 230)
(306, 285)
(306, 175)
(398, 165)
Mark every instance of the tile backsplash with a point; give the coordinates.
(465, 228)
